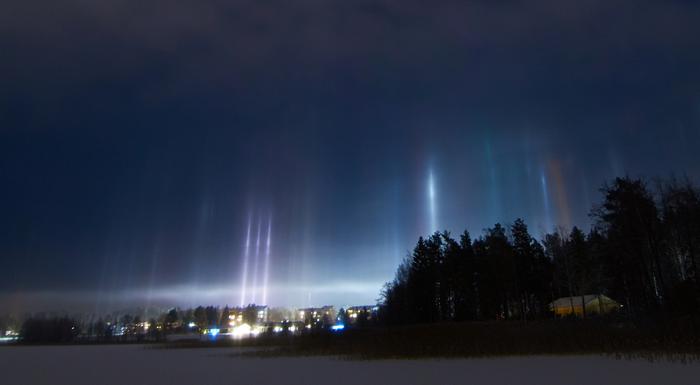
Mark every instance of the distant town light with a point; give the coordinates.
(241, 330)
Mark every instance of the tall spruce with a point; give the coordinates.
(630, 219)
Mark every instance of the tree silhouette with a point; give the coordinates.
(171, 319)
(212, 315)
(631, 222)
(250, 314)
(224, 320)
(200, 317)
(342, 317)
(642, 254)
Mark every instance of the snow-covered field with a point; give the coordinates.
(136, 365)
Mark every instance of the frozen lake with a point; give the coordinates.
(136, 365)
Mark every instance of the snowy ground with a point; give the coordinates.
(136, 365)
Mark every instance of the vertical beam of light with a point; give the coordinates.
(154, 267)
(585, 187)
(395, 230)
(431, 202)
(254, 289)
(267, 261)
(615, 165)
(199, 244)
(396, 224)
(246, 254)
(495, 198)
(545, 201)
(561, 195)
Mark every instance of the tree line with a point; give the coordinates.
(642, 251)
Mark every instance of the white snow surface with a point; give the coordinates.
(139, 365)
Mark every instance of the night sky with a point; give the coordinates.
(143, 142)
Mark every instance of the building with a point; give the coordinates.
(353, 312)
(592, 303)
(317, 315)
(279, 314)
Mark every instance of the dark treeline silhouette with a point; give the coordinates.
(50, 330)
(642, 251)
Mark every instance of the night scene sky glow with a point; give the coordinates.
(290, 153)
